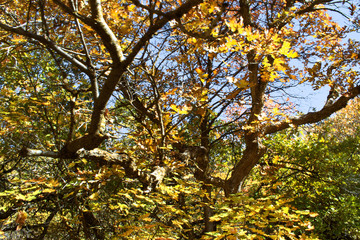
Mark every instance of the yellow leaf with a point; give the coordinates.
(191, 40)
(275, 159)
(199, 71)
(2, 235)
(131, 8)
(242, 84)
(72, 164)
(94, 196)
(285, 48)
(292, 54)
(184, 110)
(285, 209)
(266, 63)
(232, 24)
(312, 214)
(52, 183)
(275, 111)
(48, 190)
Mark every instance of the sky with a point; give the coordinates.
(314, 100)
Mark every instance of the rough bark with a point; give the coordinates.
(253, 152)
(92, 226)
(149, 179)
(192, 155)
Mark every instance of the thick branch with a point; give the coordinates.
(313, 117)
(254, 149)
(88, 141)
(251, 156)
(108, 37)
(194, 155)
(257, 88)
(120, 68)
(150, 180)
(245, 12)
(27, 152)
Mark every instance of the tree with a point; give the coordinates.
(317, 169)
(129, 105)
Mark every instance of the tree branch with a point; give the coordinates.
(313, 117)
(27, 152)
(194, 155)
(107, 36)
(149, 180)
(49, 44)
(253, 152)
(120, 67)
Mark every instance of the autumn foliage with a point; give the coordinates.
(127, 119)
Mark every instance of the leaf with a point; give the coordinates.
(240, 83)
(285, 50)
(312, 214)
(21, 219)
(48, 190)
(199, 71)
(184, 110)
(94, 196)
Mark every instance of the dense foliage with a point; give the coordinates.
(317, 169)
(127, 119)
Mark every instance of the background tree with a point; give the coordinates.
(317, 169)
(123, 110)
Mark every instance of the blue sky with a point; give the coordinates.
(311, 99)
